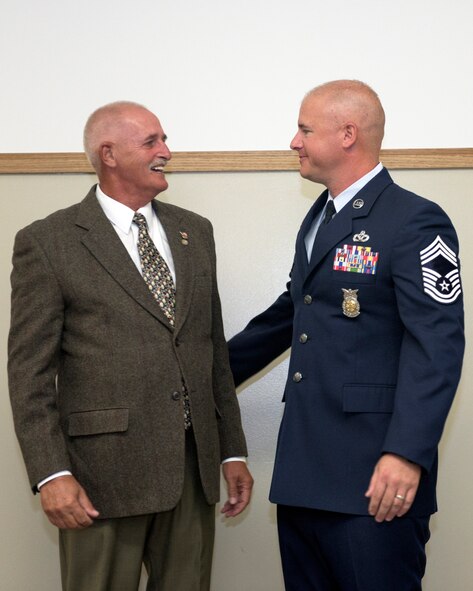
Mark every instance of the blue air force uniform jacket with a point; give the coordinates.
(375, 321)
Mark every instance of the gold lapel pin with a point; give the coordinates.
(184, 238)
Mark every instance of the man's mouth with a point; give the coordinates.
(158, 167)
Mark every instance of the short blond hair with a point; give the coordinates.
(353, 98)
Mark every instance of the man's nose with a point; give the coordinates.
(296, 142)
(163, 151)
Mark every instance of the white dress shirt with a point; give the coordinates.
(121, 218)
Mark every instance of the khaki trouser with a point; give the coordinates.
(175, 546)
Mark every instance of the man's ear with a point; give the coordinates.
(107, 155)
(350, 132)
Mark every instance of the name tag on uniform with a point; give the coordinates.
(356, 259)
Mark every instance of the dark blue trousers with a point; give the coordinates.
(325, 551)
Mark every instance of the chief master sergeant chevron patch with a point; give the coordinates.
(440, 273)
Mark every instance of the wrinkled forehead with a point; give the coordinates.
(136, 123)
(139, 119)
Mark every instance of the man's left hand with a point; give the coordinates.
(393, 487)
(239, 485)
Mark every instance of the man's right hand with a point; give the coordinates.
(66, 503)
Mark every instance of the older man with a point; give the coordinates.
(374, 315)
(122, 395)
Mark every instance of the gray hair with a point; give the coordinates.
(99, 123)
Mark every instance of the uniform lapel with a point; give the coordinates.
(331, 234)
(104, 244)
(301, 251)
(341, 226)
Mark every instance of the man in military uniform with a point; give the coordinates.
(374, 315)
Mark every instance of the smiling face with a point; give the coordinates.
(341, 127)
(127, 147)
(319, 140)
(139, 154)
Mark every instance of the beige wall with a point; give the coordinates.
(256, 217)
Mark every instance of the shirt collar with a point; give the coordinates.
(345, 196)
(119, 214)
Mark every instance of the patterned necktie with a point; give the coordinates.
(330, 211)
(156, 273)
(158, 278)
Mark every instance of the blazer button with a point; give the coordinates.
(307, 299)
(176, 396)
(303, 338)
(297, 377)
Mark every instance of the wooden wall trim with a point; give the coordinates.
(272, 160)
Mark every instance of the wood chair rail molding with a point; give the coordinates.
(233, 161)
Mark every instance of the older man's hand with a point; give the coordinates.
(66, 503)
(239, 485)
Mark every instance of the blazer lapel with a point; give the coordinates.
(181, 249)
(104, 244)
(341, 225)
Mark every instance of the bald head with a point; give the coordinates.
(106, 124)
(340, 130)
(353, 101)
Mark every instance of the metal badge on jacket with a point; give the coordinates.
(350, 304)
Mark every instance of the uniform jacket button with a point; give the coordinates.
(297, 377)
(307, 299)
(303, 338)
(176, 395)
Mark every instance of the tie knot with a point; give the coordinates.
(140, 220)
(330, 211)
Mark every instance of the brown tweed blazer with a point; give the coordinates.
(96, 372)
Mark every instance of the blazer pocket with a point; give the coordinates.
(368, 398)
(94, 422)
